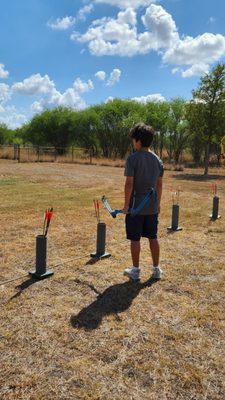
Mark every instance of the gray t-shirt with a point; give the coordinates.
(146, 168)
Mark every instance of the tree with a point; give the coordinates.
(211, 93)
(116, 119)
(194, 115)
(51, 128)
(157, 115)
(177, 132)
(3, 133)
(85, 128)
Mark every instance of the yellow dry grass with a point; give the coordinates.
(87, 333)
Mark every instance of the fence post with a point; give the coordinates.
(15, 152)
(18, 154)
(38, 154)
(91, 155)
(72, 154)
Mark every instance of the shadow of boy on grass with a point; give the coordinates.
(113, 300)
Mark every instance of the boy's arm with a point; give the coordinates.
(159, 187)
(128, 190)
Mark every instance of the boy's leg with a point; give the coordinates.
(134, 226)
(134, 272)
(155, 251)
(135, 247)
(150, 232)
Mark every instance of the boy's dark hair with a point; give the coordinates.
(144, 133)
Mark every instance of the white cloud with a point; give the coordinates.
(36, 106)
(82, 87)
(156, 98)
(71, 99)
(127, 17)
(45, 94)
(61, 24)
(127, 3)
(35, 84)
(109, 99)
(101, 75)
(114, 77)
(204, 48)
(4, 93)
(196, 69)
(84, 11)
(12, 117)
(162, 26)
(64, 23)
(3, 73)
(48, 95)
(120, 36)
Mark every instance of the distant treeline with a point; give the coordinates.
(197, 126)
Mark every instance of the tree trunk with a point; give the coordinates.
(207, 153)
(177, 157)
(161, 145)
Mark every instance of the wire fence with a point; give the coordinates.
(46, 154)
(78, 155)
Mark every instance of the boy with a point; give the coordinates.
(144, 172)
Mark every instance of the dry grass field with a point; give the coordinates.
(88, 333)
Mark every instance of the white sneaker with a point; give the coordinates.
(132, 273)
(157, 273)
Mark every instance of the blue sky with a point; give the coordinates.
(51, 50)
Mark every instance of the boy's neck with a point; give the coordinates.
(144, 149)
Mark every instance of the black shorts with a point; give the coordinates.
(141, 226)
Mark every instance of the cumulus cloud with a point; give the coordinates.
(44, 87)
(84, 11)
(35, 84)
(61, 24)
(64, 23)
(101, 75)
(158, 21)
(120, 36)
(156, 98)
(196, 69)
(82, 87)
(12, 117)
(36, 106)
(4, 93)
(114, 77)
(204, 48)
(127, 3)
(3, 73)
(70, 98)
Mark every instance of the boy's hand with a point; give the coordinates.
(125, 209)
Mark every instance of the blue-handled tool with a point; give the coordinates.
(113, 213)
(132, 211)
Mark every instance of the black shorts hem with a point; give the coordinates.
(141, 226)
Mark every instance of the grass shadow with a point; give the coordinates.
(198, 177)
(93, 260)
(113, 300)
(23, 286)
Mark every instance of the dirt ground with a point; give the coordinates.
(88, 333)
